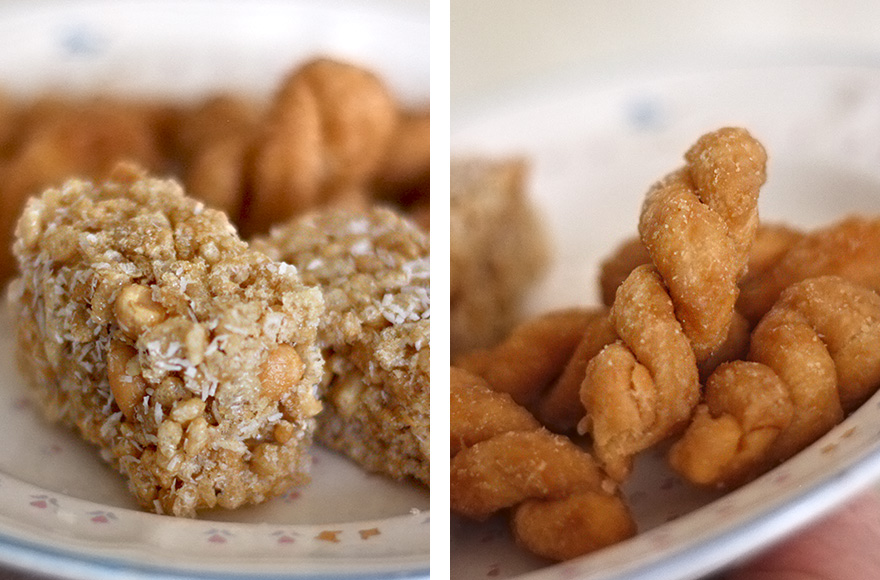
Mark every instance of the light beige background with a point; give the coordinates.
(499, 45)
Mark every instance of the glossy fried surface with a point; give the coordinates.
(849, 248)
(814, 358)
(324, 136)
(563, 503)
(533, 355)
(697, 225)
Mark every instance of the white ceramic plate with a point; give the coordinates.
(62, 511)
(595, 150)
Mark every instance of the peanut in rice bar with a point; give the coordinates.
(373, 267)
(188, 358)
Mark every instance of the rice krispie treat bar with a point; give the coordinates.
(498, 248)
(188, 358)
(374, 270)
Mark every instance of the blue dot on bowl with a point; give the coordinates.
(81, 40)
(645, 114)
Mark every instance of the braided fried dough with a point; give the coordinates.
(478, 413)
(533, 355)
(636, 396)
(771, 243)
(404, 176)
(325, 135)
(560, 408)
(814, 360)
(849, 248)
(578, 524)
(213, 142)
(563, 504)
(407, 161)
(745, 406)
(697, 225)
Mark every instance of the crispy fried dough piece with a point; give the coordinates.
(772, 241)
(560, 408)
(533, 355)
(402, 175)
(542, 362)
(62, 138)
(502, 471)
(563, 504)
(616, 267)
(478, 413)
(11, 115)
(813, 353)
(567, 528)
(849, 248)
(213, 141)
(637, 395)
(697, 224)
(325, 135)
(746, 405)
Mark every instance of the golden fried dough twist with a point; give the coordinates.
(478, 413)
(813, 358)
(780, 256)
(697, 224)
(407, 162)
(636, 396)
(849, 248)
(533, 355)
(563, 504)
(213, 142)
(560, 408)
(404, 177)
(772, 241)
(326, 133)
